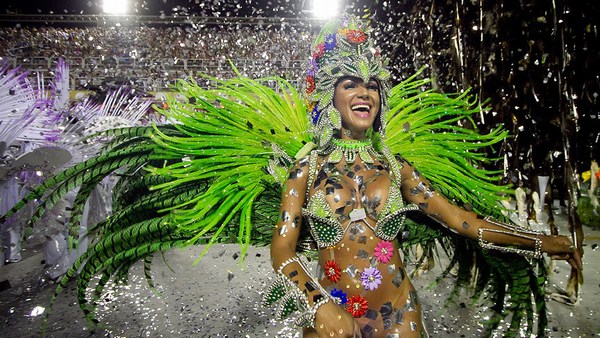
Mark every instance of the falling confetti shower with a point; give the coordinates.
(534, 65)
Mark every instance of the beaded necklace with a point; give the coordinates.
(350, 150)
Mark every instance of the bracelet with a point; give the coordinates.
(307, 319)
(318, 304)
(536, 253)
(292, 299)
(302, 264)
(511, 227)
(288, 262)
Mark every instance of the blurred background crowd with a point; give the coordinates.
(152, 58)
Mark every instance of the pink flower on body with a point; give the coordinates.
(384, 251)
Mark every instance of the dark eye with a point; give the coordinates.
(373, 85)
(349, 84)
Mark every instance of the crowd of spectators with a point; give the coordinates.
(154, 57)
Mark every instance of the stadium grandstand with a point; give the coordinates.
(150, 52)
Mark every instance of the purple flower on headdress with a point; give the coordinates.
(330, 42)
(370, 278)
(311, 67)
(340, 295)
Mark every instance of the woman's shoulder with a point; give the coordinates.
(300, 168)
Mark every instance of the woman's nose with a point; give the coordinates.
(362, 91)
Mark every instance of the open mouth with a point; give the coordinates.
(361, 108)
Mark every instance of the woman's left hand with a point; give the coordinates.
(561, 247)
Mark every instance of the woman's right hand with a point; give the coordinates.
(332, 321)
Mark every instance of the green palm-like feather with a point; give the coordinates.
(148, 206)
(74, 176)
(132, 184)
(88, 174)
(114, 263)
(423, 127)
(78, 208)
(514, 276)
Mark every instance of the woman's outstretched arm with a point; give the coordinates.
(493, 235)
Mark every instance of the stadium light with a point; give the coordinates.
(325, 9)
(115, 6)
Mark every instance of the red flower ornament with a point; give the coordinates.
(332, 271)
(357, 306)
(356, 36)
(310, 84)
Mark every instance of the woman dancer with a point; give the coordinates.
(209, 177)
(354, 194)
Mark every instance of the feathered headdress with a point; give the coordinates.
(342, 48)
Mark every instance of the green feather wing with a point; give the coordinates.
(430, 130)
(229, 135)
(204, 178)
(434, 132)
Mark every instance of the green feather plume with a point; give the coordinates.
(424, 128)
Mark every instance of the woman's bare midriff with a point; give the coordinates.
(393, 307)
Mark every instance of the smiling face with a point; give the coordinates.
(358, 103)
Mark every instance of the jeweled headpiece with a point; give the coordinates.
(343, 48)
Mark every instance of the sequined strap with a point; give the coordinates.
(394, 165)
(312, 172)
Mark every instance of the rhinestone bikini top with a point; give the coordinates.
(325, 225)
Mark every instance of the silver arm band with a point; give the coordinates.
(291, 298)
(288, 262)
(535, 252)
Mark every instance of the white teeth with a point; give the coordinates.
(359, 106)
